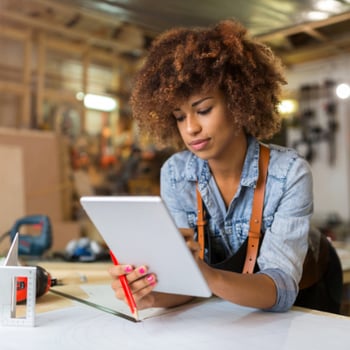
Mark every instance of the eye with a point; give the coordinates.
(179, 117)
(205, 111)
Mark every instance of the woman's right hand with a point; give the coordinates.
(141, 283)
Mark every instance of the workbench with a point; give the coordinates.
(63, 323)
(343, 250)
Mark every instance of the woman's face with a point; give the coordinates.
(206, 127)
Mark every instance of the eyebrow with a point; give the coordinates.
(196, 103)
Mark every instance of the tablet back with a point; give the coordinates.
(140, 231)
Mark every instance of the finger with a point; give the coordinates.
(144, 286)
(118, 270)
(134, 274)
(141, 279)
(137, 278)
(193, 246)
(187, 233)
(140, 287)
(118, 290)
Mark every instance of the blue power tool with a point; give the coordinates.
(33, 244)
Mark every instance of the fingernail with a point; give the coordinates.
(142, 270)
(150, 279)
(128, 269)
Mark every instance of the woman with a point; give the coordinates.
(214, 91)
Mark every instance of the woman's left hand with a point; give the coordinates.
(188, 234)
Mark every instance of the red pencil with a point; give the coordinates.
(129, 297)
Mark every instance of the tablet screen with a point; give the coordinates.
(140, 231)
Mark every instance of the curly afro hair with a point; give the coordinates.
(184, 61)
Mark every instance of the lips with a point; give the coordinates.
(198, 145)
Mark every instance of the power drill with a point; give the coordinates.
(44, 282)
(33, 245)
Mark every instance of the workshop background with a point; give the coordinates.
(57, 58)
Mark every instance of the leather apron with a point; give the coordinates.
(321, 283)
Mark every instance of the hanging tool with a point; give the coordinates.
(33, 245)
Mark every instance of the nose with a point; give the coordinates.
(192, 124)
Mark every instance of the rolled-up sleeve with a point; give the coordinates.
(286, 240)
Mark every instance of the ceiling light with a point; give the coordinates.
(100, 103)
(317, 15)
(287, 107)
(343, 91)
(331, 6)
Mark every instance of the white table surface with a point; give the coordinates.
(210, 325)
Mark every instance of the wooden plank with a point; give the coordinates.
(95, 54)
(13, 33)
(12, 188)
(11, 87)
(26, 100)
(41, 78)
(69, 33)
(60, 96)
(85, 82)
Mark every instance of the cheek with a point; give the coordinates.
(228, 121)
(225, 131)
(181, 129)
(222, 123)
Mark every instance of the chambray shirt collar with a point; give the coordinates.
(250, 171)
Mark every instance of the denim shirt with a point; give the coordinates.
(288, 206)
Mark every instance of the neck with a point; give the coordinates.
(227, 172)
(230, 166)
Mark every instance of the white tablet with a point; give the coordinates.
(140, 231)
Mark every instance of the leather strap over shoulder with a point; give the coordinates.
(201, 222)
(256, 216)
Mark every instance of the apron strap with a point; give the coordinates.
(201, 222)
(256, 216)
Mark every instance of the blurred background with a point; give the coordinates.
(66, 71)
